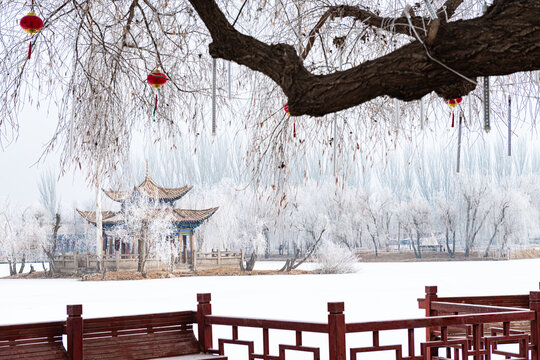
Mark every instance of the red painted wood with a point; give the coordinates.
(269, 324)
(266, 342)
(534, 305)
(171, 334)
(315, 351)
(74, 330)
(336, 331)
(204, 308)
(437, 321)
(32, 341)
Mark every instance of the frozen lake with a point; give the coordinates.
(369, 294)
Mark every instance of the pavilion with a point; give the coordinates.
(160, 202)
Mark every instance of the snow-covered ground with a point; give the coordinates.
(377, 291)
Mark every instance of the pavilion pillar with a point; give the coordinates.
(191, 247)
(180, 245)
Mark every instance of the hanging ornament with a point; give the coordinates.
(214, 94)
(286, 108)
(487, 125)
(31, 23)
(459, 142)
(509, 126)
(422, 114)
(453, 103)
(157, 79)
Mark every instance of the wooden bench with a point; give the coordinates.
(136, 337)
(33, 341)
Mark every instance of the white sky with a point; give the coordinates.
(20, 173)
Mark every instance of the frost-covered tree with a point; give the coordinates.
(92, 59)
(51, 204)
(448, 215)
(160, 243)
(378, 208)
(416, 218)
(332, 258)
(21, 235)
(475, 192)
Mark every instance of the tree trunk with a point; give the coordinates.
(250, 264)
(12, 267)
(50, 251)
(23, 263)
(293, 263)
(414, 247)
(374, 241)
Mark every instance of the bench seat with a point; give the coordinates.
(32, 341)
(195, 357)
(141, 337)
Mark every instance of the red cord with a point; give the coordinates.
(30, 50)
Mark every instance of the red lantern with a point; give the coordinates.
(31, 23)
(286, 108)
(453, 103)
(156, 78)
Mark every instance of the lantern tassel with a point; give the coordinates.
(155, 109)
(30, 50)
(452, 119)
(294, 129)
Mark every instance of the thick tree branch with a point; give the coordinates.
(503, 41)
(398, 25)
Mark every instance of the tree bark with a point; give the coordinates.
(502, 41)
(50, 252)
(23, 263)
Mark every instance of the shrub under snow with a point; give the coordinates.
(335, 259)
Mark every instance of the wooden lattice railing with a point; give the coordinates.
(458, 327)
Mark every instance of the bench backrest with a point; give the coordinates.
(32, 341)
(140, 336)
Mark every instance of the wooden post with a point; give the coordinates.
(74, 330)
(534, 305)
(204, 308)
(219, 257)
(336, 331)
(431, 295)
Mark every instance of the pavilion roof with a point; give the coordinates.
(176, 216)
(149, 189)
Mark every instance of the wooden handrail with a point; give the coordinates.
(521, 301)
(470, 308)
(268, 324)
(448, 320)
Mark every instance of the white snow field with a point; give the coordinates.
(377, 291)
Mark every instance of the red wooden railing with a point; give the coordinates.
(473, 315)
(460, 327)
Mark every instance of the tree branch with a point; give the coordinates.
(503, 41)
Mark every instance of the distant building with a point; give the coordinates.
(160, 201)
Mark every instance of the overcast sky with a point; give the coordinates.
(20, 173)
